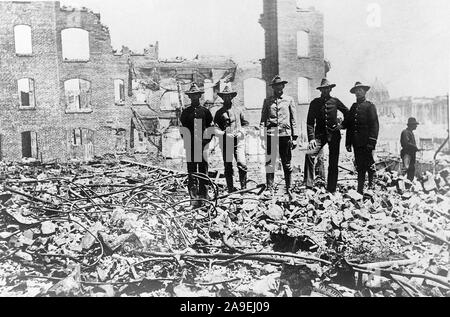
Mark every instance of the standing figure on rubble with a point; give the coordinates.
(232, 143)
(409, 149)
(362, 134)
(278, 119)
(323, 128)
(196, 119)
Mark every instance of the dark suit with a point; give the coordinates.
(362, 134)
(323, 126)
(408, 153)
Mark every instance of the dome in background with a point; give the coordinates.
(378, 92)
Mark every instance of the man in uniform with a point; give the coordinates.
(278, 119)
(196, 119)
(409, 149)
(323, 128)
(232, 143)
(362, 134)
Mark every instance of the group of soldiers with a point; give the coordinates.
(279, 134)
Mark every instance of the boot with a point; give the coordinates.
(193, 193)
(288, 181)
(229, 180)
(371, 175)
(243, 179)
(361, 180)
(270, 177)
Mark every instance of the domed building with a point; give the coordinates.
(378, 93)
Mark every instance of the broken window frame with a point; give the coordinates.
(77, 137)
(119, 91)
(67, 36)
(31, 94)
(34, 147)
(78, 96)
(19, 28)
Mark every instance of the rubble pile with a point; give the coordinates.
(111, 228)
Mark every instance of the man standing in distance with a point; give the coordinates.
(409, 149)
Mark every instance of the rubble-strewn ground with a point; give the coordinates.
(112, 228)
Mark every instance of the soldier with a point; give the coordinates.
(409, 149)
(196, 119)
(278, 117)
(231, 120)
(324, 128)
(362, 133)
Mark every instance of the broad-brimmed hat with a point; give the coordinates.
(227, 91)
(413, 121)
(325, 84)
(277, 81)
(194, 90)
(359, 85)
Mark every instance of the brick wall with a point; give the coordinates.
(101, 70)
(42, 66)
(281, 21)
(46, 66)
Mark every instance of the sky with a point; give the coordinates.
(408, 50)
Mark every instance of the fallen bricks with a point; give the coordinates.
(127, 225)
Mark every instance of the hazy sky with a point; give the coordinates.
(409, 52)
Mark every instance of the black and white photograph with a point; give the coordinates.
(225, 153)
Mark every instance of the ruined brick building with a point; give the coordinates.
(57, 83)
(66, 94)
(295, 50)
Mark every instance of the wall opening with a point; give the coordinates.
(170, 101)
(209, 90)
(303, 90)
(254, 93)
(29, 145)
(140, 141)
(78, 94)
(75, 44)
(22, 40)
(26, 92)
(302, 44)
(82, 141)
(121, 141)
(119, 91)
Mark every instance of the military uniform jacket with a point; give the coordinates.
(278, 113)
(230, 119)
(322, 118)
(203, 116)
(362, 125)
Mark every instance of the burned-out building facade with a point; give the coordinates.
(66, 94)
(59, 83)
(294, 49)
